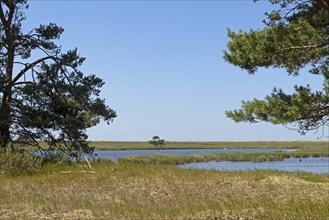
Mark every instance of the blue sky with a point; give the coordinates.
(163, 67)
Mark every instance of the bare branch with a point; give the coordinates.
(82, 171)
(21, 83)
(29, 66)
(11, 12)
(21, 63)
(88, 163)
(286, 14)
(7, 2)
(2, 17)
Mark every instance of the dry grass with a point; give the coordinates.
(131, 191)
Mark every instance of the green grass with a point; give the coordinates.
(112, 145)
(135, 191)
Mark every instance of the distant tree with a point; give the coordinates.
(296, 36)
(157, 142)
(46, 98)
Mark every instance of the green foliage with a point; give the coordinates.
(156, 141)
(18, 162)
(295, 37)
(49, 98)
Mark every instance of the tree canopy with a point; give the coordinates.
(295, 37)
(45, 98)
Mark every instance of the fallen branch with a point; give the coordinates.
(82, 171)
(88, 163)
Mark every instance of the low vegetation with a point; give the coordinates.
(132, 191)
(124, 145)
(18, 162)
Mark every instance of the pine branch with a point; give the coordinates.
(28, 67)
(305, 46)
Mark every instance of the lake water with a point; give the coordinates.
(116, 154)
(312, 165)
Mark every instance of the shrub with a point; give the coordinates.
(18, 161)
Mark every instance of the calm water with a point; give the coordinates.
(116, 154)
(312, 165)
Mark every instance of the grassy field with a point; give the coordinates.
(112, 145)
(152, 188)
(135, 191)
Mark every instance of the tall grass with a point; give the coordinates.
(136, 191)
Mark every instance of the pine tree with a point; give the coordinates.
(48, 98)
(296, 37)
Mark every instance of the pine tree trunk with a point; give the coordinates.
(5, 109)
(7, 18)
(4, 122)
(5, 106)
